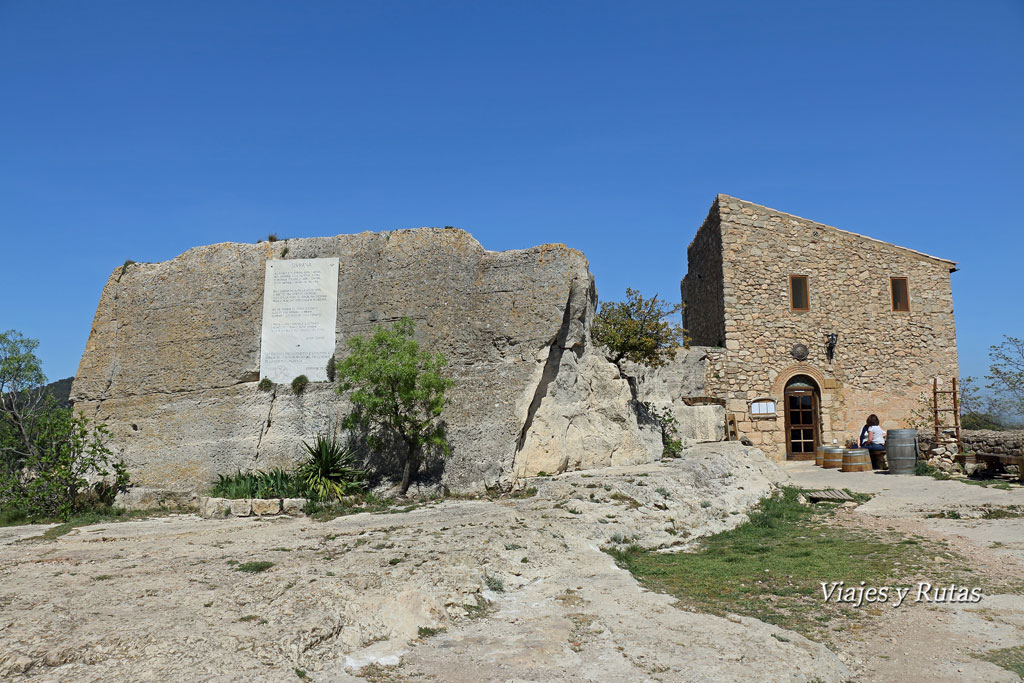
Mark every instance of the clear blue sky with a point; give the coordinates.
(136, 130)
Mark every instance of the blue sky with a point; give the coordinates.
(136, 130)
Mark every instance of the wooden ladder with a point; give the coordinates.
(939, 425)
(731, 430)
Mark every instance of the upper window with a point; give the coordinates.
(799, 298)
(900, 294)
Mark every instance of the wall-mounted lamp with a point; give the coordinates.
(830, 345)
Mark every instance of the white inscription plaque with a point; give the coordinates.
(300, 309)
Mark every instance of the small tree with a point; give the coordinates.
(397, 393)
(637, 329)
(48, 455)
(1006, 375)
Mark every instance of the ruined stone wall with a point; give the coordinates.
(702, 288)
(884, 361)
(172, 361)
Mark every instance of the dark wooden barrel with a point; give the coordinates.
(833, 458)
(819, 456)
(856, 460)
(901, 450)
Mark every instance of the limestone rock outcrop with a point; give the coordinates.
(682, 377)
(172, 361)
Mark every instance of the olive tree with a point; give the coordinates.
(397, 392)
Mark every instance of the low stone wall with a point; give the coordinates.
(981, 441)
(245, 507)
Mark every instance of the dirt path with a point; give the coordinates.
(922, 641)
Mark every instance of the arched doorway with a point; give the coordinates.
(802, 398)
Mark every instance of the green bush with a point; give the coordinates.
(53, 463)
(672, 445)
(299, 384)
(332, 469)
(52, 481)
(273, 484)
(332, 368)
(265, 384)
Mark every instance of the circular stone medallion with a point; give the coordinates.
(800, 352)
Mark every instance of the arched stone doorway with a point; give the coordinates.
(802, 398)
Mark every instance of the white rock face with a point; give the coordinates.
(586, 419)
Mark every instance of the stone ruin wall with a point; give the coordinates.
(172, 361)
(882, 365)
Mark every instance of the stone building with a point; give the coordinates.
(813, 327)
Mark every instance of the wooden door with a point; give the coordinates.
(801, 423)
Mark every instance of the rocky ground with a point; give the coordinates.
(462, 590)
(473, 590)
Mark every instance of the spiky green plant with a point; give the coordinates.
(332, 468)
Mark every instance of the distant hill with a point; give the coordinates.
(61, 391)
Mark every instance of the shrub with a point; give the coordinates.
(53, 480)
(672, 446)
(272, 237)
(265, 384)
(332, 469)
(332, 369)
(299, 384)
(273, 484)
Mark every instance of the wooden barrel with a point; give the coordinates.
(901, 450)
(819, 456)
(856, 460)
(833, 458)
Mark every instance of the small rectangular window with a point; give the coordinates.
(799, 298)
(900, 294)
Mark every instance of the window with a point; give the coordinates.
(762, 407)
(799, 298)
(900, 294)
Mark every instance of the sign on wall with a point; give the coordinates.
(300, 310)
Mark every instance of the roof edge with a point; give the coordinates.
(720, 196)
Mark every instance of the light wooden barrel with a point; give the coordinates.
(833, 458)
(819, 456)
(857, 460)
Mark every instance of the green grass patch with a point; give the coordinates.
(254, 567)
(97, 516)
(772, 567)
(1010, 658)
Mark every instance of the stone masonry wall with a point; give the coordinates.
(703, 305)
(1010, 442)
(884, 360)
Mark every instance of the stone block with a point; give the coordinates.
(266, 506)
(293, 506)
(213, 508)
(241, 507)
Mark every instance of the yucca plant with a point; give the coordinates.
(332, 469)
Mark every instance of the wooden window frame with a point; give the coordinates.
(807, 290)
(892, 294)
(763, 416)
